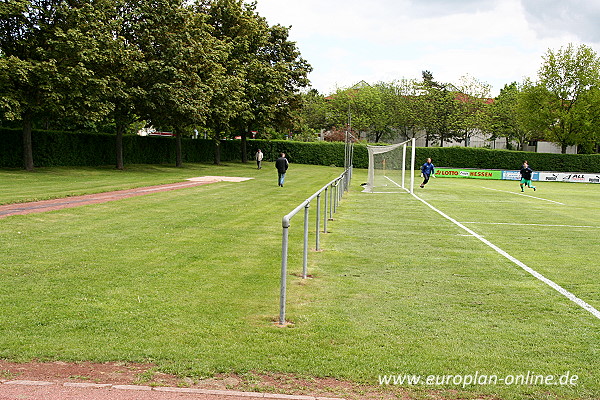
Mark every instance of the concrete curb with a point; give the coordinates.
(232, 393)
(28, 383)
(87, 385)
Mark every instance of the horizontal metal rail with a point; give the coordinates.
(341, 184)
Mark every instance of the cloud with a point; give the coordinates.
(437, 8)
(495, 41)
(559, 17)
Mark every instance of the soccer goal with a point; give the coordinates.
(388, 168)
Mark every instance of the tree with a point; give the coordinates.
(472, 108)
(406, 106)
(264, 72)
(234, 24)
(566, 76)
(46, 47)
(119, 61)
(440, 109)
(182, 63)
(590, 110)
(313, 112)
(285, 74)
(505, 116)
(364, 106)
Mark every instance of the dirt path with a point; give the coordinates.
(77, 201)
(131, 381)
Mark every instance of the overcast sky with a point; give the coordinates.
(494, 41)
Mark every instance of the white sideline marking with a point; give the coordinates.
(526, 195)
(391, 180)
(396, 192)
(533, 272)
(547, 225)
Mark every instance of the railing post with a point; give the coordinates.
(325, 212)
(331, 202)
(305, 258)
(318, 218)
(333, 196)
(403, 165)
(413, 153)
(336, 197)
(285, 223)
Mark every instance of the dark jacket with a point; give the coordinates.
(281, 164)
(526, 173)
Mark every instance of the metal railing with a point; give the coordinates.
(332, 194)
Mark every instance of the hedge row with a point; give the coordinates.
(51, 148)
(470, 157)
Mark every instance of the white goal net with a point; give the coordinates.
(389, 168)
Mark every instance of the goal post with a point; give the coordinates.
(388, 167)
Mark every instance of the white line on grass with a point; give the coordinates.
(394, 192)
(533, 272)
(526, 195)
(391, 180)
(544, 225)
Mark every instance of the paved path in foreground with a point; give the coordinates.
(40, 390)
(76, 201)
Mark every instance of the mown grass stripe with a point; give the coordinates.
(533, 272)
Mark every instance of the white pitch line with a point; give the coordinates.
(543, 225)
(533, 272)
(391, 180)
(526, 195)
(386, 192)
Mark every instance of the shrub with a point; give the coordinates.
(53, 148)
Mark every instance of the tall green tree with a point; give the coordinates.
(565, 78)
(505, 121)
(313, 112)
(46, 47)
(439, 111)
(407, 107)
(183, 63)
(264, 68)
(234, 23)
(472, 108)
(509, 116)
(126, 66)
(590, 118)
(286, 74)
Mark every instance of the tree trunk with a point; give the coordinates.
(563, 148)
(244, 147)
(178, 158)
(119, 146)
(217, 153)
(27, 143)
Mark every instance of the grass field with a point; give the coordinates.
(189, 279)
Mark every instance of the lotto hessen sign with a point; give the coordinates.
(467, 173)
(569, 177)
